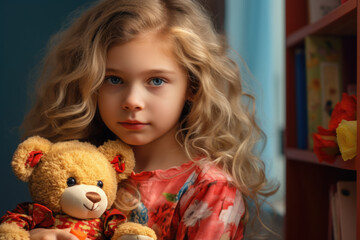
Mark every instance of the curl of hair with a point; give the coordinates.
(218, 121)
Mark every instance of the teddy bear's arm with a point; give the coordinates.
(20, 216)
(16, 224)
(111, 219)
(116, 227)
(133, 231)
(28, 216)
(13, 231)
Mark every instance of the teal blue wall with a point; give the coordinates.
(255, 30)
(25, 29)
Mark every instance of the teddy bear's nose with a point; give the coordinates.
(93, 196)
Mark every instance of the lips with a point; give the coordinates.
(133, 125)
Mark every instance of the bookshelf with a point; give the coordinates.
(307, 180)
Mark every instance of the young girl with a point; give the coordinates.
(156, 75)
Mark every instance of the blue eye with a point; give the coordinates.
(157, 82)
(114, 80)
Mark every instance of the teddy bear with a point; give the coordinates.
(73, 185)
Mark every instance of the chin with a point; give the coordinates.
(135, 142)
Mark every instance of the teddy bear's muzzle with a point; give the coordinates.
(84, 201)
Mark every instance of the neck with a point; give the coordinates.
(160, 154)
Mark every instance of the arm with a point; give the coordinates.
(210, 210)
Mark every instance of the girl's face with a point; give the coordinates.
(144, 90)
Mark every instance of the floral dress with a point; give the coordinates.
(189, 202)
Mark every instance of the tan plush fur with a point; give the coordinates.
(131, 228)
(61, 160)
(13, 232)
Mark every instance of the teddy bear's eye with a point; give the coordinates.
(100, 184)
(71, 181)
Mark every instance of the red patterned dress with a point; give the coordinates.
(33, 215)
(189, 202)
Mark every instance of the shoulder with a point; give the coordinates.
(210, 173)
(211, 184)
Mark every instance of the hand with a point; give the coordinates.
(51, 234)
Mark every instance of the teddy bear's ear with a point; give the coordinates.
(121, 156)
(27, 156)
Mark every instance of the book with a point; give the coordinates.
(347, 209)
(323, 80)
(319, 8)
(334, 214)
(301, 102)
(343, 210)
(330, 89)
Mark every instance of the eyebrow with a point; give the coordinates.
(146, 72)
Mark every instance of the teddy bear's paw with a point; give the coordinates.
(135, 237)
(134, 231)
(10, 231)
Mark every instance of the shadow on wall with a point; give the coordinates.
(26, 28)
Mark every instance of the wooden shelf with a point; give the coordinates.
(308, 181)
(309, 156)
(341, 21)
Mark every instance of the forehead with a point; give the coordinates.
(150, 50)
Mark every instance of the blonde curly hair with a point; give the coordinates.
(217, 122)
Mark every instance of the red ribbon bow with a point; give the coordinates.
(119, 164)
(34, 158)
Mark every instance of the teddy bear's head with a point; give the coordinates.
(76, 178)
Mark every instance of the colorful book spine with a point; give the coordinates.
(301, 101)
(323, 79)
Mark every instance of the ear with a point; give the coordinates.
(27, 156)
(121, 156)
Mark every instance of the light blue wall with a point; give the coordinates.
(256, 31)
(25, 29)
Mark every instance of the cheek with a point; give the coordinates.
(107, 104)
(168, 113)
(172, 107)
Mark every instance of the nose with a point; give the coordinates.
(133, 101)
(93, 197)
